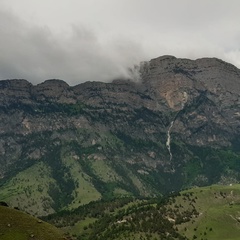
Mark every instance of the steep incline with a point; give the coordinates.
(15, 224)
(63, 146)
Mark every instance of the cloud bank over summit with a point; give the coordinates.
(80, 41)
(35, 53)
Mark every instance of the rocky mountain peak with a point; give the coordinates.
(178, 126)
(172, 78)
(53, 90)
(162, 59)
(14, 90)
(15, 84)
(54, 83)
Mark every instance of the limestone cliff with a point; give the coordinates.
(179, 125)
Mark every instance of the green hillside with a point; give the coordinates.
(71, 175)
(74, 172)
(205, 213)
(219, 212)
(16, 225)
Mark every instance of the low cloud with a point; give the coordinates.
(100, 41)
(36, 53)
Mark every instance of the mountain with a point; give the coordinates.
(176, 126)
(15, 224)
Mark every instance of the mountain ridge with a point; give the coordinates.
(179, 126)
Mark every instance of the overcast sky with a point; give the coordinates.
(97, 40)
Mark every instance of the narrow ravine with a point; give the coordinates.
(169, 140)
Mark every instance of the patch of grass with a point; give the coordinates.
(119, 192)
(28, 190)
(104, 171)
(84, 191)
(21, 226)
(219, 212)
(79, 226)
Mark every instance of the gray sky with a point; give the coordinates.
(97, 40)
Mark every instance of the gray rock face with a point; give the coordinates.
(201, 97)
(127, 122)
(211, 86)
